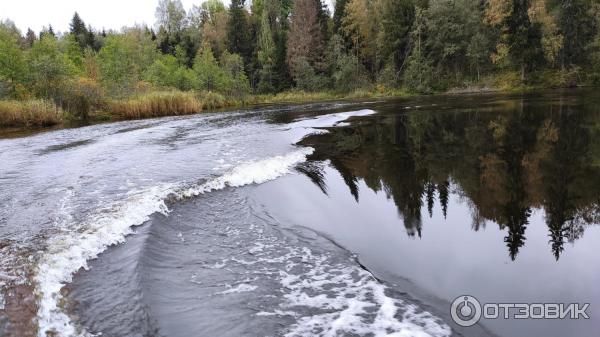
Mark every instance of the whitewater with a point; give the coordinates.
(100, 183)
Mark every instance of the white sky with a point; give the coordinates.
(109, 14)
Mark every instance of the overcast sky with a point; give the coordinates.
(109, 14)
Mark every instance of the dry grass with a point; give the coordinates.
(30, 113)
(156, 104)
(212, 100)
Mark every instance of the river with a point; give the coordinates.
(332, 219)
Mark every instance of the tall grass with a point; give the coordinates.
(29, 113)
(156, 104)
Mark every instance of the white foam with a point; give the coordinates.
(68, 253)
(300, 129)
(240, 288)
(330, 119)
(330, 296)
(345, 299)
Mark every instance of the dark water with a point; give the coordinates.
(492, 197)
(337, 219)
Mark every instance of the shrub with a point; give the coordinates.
(212, 100)
(350, 74)
(81, 95)
(306, 78)
(156, 104)
(29, 113)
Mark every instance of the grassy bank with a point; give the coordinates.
(30, 113)
(40, 113)
(44, 113)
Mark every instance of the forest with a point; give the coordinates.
(214, 56)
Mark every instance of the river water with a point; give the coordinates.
(333, 219)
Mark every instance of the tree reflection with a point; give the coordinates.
(506, 159)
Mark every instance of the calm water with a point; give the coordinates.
(337, 219)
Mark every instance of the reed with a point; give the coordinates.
(30, 113)
(156, 104)
(212, 100)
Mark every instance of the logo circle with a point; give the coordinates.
(465, 310)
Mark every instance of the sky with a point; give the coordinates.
(108, 14)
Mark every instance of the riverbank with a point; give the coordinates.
(18, 117)
(22, 117)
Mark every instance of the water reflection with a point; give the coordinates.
(506, 159)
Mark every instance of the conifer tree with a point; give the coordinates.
(238, 31)
(79, 31)
(266, 54)
(30, 38)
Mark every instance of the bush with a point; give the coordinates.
(29, 113)
(305, 77)
(212, 100)
(419, 76)
(349, 75)
(560, 78)
(235, 83)
(80, 96)
(156, 104)
(388, 76)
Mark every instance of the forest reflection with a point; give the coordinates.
(505, 160)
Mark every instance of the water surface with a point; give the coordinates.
(336, 219)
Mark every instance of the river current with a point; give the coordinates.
(326, 219)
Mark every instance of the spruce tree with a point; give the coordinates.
(238, 31)
(266, 54)
(524, 38)
(338, 13)
(77, 28)
(30, 38)
(577, 27)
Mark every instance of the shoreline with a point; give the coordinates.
(281, 99)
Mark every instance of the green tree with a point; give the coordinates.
(79, 31)
(456, 38)
(118, 71)
(418, 76)
(13, 67)
(524, 38)
(520, 38)
(238, 31)
(209, 75)
(338, 13)
(30, 38)
(71, 47)
(50, 67)
(168, 71)
(347, 73)
(266, 55)
(577, 26)
(171, 15)
(212, 8)
(397, 17)
(306, 77)
(235, 81)
(360, 27)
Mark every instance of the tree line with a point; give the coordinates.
(270, 46)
